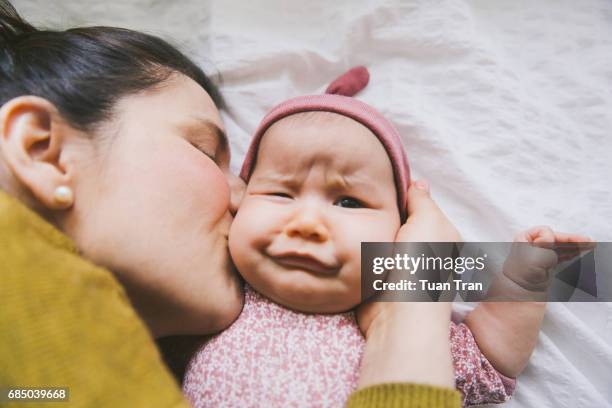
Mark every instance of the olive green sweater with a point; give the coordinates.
(65, 322)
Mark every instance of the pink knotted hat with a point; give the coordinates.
(338, 99)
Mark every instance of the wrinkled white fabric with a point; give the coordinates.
(504, 106)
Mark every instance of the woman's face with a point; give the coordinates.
(152, 204)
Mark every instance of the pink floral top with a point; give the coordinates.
(275, 357)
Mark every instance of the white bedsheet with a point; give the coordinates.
(505, 106)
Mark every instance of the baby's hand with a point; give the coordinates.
(529, 266)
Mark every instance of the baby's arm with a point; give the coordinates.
(507, 332)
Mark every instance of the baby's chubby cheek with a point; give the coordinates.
(353, 234)
(248, 238)
(349, 248)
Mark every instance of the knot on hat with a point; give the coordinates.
(349, 83)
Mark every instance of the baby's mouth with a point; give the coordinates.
(294, 260)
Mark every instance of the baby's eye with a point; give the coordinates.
(277, 194)
(349, 202)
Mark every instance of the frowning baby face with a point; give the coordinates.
(322, 184)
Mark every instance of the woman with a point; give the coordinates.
(113, 158)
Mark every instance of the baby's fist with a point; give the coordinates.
(529, 266)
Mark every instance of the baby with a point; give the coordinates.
(324, 173)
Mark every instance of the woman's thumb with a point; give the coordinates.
(418, 197)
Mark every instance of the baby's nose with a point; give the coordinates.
(309, 226)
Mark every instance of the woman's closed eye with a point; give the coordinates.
(211, 153)
(349, 202)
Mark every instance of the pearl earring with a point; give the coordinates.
(63, 195)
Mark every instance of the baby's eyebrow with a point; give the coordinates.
(337, 182)
(286, 179)
(333, 182)
(347, 182)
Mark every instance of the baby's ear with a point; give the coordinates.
(237, 189)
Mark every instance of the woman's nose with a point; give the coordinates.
(237, 187)
(307, 224)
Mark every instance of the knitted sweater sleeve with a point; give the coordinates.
(404, 395)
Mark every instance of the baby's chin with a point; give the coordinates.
(303, 292)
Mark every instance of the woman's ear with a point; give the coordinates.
(32, 136)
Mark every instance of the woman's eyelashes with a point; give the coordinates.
(211, 153)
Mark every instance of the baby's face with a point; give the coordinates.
(322, 184)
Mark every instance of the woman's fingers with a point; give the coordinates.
(419, 199)
(575, 241)
(570, 246)
(426, 222)
(568, 237)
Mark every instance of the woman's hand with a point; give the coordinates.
(409, 342)
(425, 223)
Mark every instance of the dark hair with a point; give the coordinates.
(84, 71)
